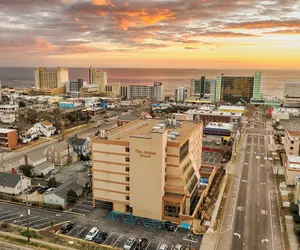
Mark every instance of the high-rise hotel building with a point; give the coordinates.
(150, 168)
(235, 89)
(50, 78)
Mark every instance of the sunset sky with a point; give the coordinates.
(151, 33)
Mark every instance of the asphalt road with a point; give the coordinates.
(251, 218)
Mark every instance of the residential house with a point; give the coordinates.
(13, 183)
(59, 197)
(46, 128)
(61, 153)
(81, 146)
(39, 162)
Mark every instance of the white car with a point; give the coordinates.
(92, 234)
(163, 247)
(129, 243)
(49, 190)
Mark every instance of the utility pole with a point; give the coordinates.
(27, 221)
(2, 153)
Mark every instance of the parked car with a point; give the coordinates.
(67, 227)
(142, 244)
(101, 237)
(163, 247)
(49, 190)
(92, 234)
(129, 243)
(178, 247)
(169, 226)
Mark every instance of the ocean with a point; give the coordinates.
(272, 80)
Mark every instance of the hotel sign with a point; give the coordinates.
(145, 153)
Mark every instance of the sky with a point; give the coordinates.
(232, 34)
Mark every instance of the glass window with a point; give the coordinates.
(126, 149)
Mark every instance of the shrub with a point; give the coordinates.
(31, 233)
(294, 208)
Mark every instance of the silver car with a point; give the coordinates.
(129, 243)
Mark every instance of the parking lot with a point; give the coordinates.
(37, 219)
(211, 157)
(118, 231)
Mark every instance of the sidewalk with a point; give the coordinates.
(291, 235)
(55, 246)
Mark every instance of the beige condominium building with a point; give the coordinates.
(51, 78)
(150, 168)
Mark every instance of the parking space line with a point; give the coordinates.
(13, 218)
(37, 226)
(4, 213)
(172, 247)
(108, 237)
(148, 245)
(71, 230)
(117, 240)
(8, 215)
(37, 220)
(80, 209)
(24, 218)
(80, 232)
(158, 245)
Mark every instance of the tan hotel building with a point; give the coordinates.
(150, 168)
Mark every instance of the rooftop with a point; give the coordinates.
(5, 130)
(62, 190)
(220, 125)
(143, 127)
(9, 180)
(223, 107)
(292, 125)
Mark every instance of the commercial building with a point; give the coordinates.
(8, 138)
(218, 128)
(74, 86)
(201, 87)
(234, 89)
(151, 168)
(292, 95)
(213, 90)
(114, 89)
(213, 116)
(181, 93)
(159, 92)
(98, 78)
(50, 78)
(292, 169)
(140, 92)
(232, 109)
(89, 90)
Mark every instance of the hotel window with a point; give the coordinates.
(291, 148)
(127, 169)
(127, 188)
(127, 159)
(126, 149)
(127, 178)
(127, 198)
(292, 142)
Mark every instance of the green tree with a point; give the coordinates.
(71, 197)
(52, 183)
(22, 104)
(26, 170)
(72, 117)
(31, 116)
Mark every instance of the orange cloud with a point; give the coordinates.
(264, 24)
(284, 32)
(102, 2)
(76, 19)
(83, 26)
(226, 34)
(43, 44)
(137, 18)
(101, 13)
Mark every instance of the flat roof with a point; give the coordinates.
(143, 127)
(5, 130)
(223, 107)
(220, 125)
(207, 112)
(292, 125)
